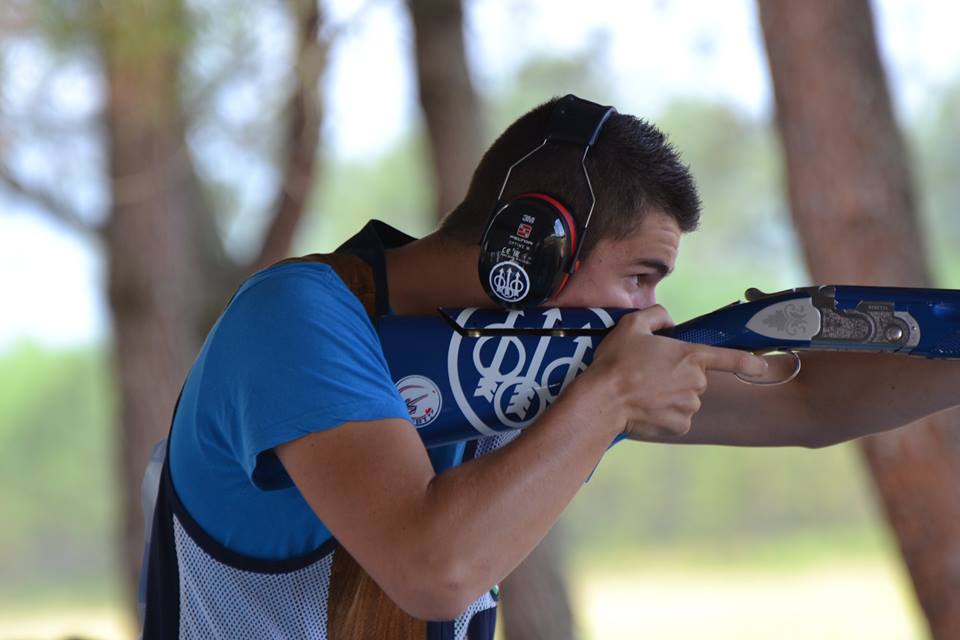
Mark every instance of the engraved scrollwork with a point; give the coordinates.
(790, 319)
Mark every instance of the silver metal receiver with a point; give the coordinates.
(873, 325)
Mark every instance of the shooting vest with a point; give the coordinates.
(194, 587)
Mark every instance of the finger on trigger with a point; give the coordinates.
(733, 361)
(753, 366)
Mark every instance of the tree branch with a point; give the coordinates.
(48, 203)
(303, 134)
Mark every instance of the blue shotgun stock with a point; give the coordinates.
(469, 373)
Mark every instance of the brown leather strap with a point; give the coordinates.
(357, 606)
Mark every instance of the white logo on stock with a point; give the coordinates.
(529, 386)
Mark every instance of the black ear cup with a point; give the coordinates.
(527, 251)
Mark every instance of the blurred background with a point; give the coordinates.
(153, 154)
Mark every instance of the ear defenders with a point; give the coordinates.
(531, 244)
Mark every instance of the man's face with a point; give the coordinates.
(625, 273)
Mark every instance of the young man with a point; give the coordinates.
(298, 501)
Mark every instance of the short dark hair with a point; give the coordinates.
(634, 170)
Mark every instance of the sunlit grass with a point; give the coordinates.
(846, 600)
(89, 609)
(807, 585)
(92, 622)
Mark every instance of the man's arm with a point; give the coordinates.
(435, 542)
(836, 397)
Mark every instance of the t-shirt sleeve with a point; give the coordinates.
(298, 354)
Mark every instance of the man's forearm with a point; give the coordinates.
(848, 395)
(836, 397)
(516, 493)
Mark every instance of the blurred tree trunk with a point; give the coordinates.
(535, 603)
(534, 600)
(450, 104)
(168, 272)
(852, 202)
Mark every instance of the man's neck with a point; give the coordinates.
(434, 271)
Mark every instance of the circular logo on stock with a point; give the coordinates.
(422, 397)
(509, 281)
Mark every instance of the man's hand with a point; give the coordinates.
(657, 382)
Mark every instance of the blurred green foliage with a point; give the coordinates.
(651, 494)
(58, 496)
(935, 145)
(395, 188)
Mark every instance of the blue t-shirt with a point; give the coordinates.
(293, 353)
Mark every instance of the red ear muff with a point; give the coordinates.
(571, 228)
(571, 225)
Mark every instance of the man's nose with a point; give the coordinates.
(648, 299)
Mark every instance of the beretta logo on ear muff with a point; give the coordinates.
(509, 282)
(530, 244)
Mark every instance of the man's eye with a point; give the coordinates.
(641, 278)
